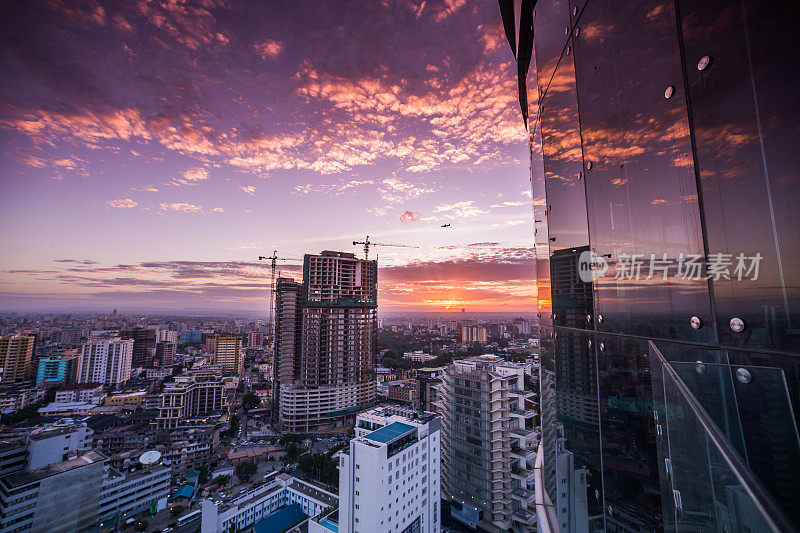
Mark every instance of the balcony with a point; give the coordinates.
(524, 496)
(712, 486)
(524, 515)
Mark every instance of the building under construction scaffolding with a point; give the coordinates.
(333, 323)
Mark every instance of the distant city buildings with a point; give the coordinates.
(473, 334)
(57, 368)
(418, 356)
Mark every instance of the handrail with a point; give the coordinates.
(769, 510)
(546, 519)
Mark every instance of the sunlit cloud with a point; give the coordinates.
(268, 48)
(123, 203)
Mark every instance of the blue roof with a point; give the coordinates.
(184, 492)
(281, 520)
(387, 434)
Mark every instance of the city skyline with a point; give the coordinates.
(152, 151)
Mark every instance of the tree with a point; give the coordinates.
(245, 470)
(292, 452)
(178, 509)
(203, 477)
(234, 429)
(221, 480)
(250, 401)
(288, 438)
(320, 465)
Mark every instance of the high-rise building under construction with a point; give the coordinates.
(332, 321)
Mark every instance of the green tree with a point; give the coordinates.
(292, 452)
(234, 429)
(245, 470)
(288, 438)
(221, 480)
(250, 401)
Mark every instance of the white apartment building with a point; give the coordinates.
(489, 443)
(389, 478)
(81, 392)
(259, 503)
(106, 360)
(418, 356)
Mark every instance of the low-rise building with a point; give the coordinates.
(63, 496)
(81, 392)
(126, 398)
(256, 504)
(125, 494)
(418, 356)
(403, 392)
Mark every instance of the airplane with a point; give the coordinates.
(445, 225)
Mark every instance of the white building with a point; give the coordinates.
(124, 495)
(389, 481)
(418, 356)
(259, 503)
(57, 443)
(490, 442)
(106, 360)
(81, 392)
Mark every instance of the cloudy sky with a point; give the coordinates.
(152, 149)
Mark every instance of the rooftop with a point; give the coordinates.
(390, 433)
(24, 478)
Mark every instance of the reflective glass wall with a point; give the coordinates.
(666, 186)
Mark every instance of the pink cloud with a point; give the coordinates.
(409, 216)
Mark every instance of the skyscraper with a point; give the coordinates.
(488, 443)
(339, 302)
(228, 353)
(288, 334)
(16, 352)
(105, 359)
(665, 193)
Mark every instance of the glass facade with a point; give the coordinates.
(665, 188)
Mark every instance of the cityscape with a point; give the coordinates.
(399, 267)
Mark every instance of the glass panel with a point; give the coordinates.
(566, 199)
(551, 23)
(747, 130)
(540, 231)
(579, 417)
(644, 217)
(714, 489)
(629, 456)
(548, 406)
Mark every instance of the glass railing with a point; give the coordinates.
(706, 484)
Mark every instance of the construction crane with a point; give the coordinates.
(273, 259)
(367, 243)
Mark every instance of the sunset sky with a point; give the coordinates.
(151, 150)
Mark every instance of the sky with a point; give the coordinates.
(153, 149)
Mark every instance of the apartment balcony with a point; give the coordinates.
(522, 432)
(522, 474)
(525, 413)
(524, 496)
(524, 516)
